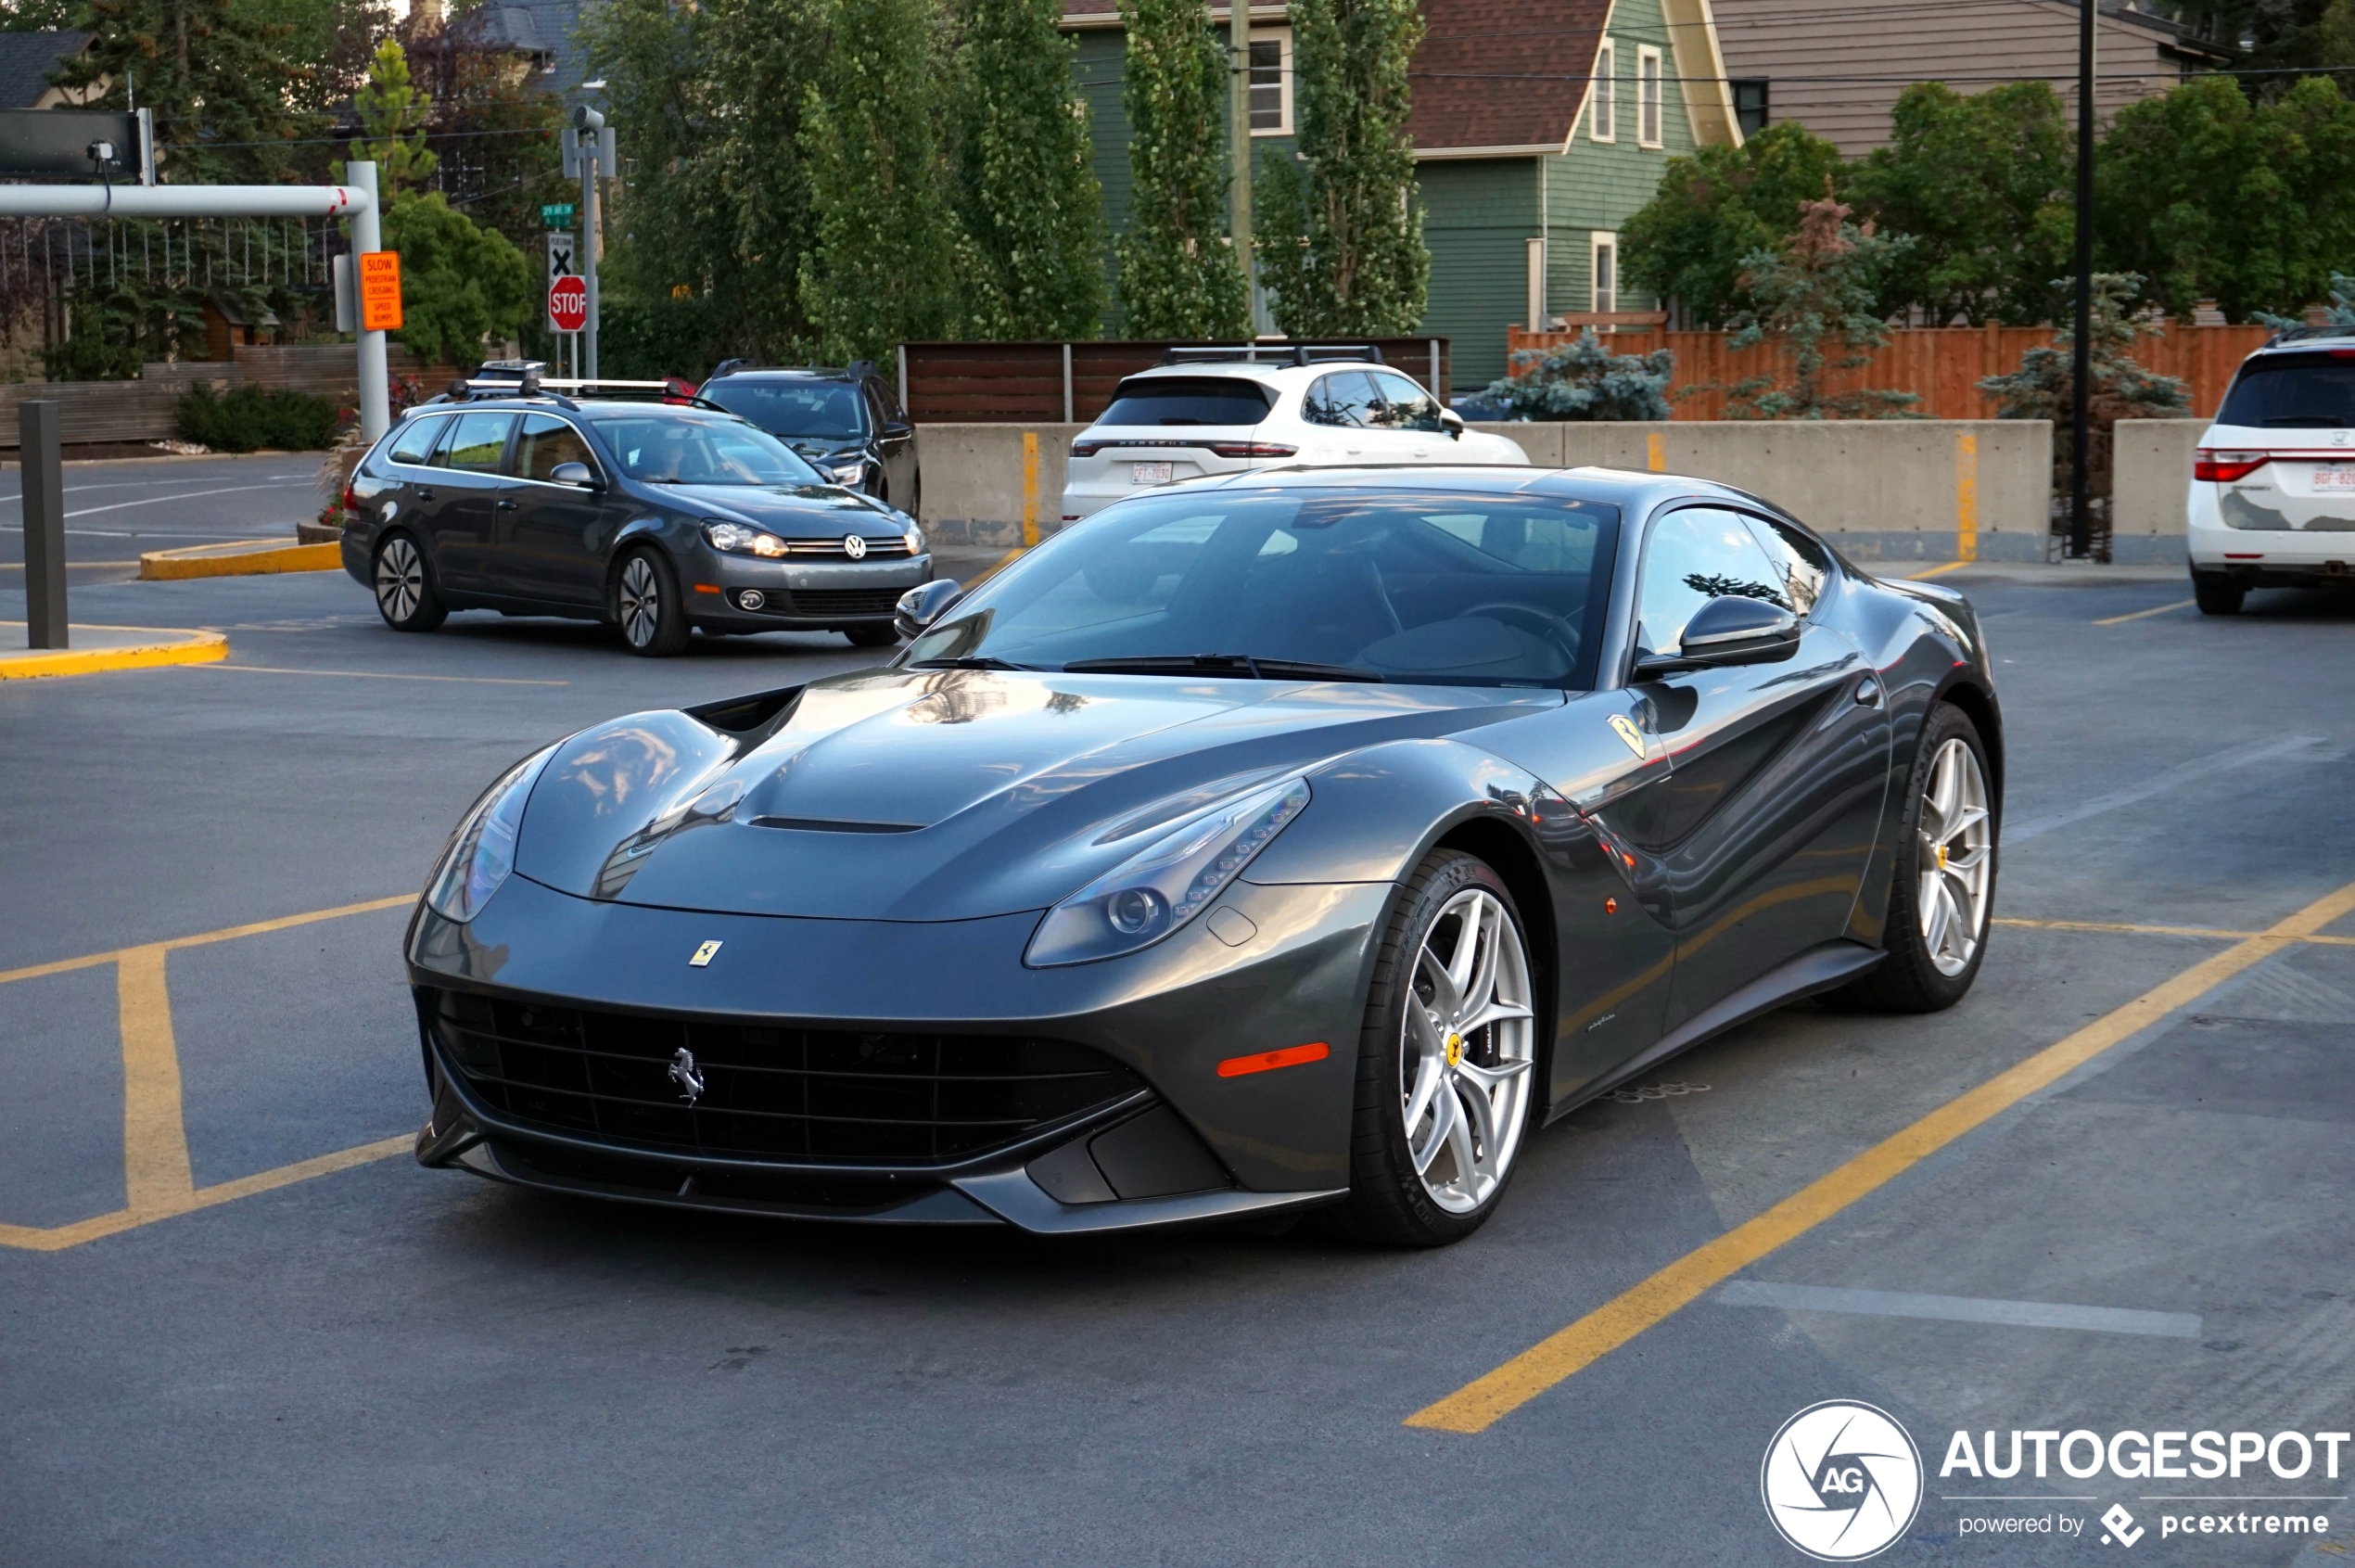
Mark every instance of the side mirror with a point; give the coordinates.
(574, 474)
(897, 428)
(1727, 630)
(925, 603)
(1453, 423)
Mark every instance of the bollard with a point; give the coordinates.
(44, 526)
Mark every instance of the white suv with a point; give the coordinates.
(1223, 411)
(2273, 496)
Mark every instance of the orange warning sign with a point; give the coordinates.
(380, 291)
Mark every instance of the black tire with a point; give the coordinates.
(1914, 978)
(403, 579)
(872, 636)
(648, 606)
(1388, 1201)
(2217, 595)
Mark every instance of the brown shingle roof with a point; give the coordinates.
(1491, 73)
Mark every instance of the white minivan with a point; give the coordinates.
(2273, 492)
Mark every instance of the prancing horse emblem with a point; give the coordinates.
(684, 1074)
(855, 547)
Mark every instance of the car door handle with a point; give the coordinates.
(506, 506)
(424, 495)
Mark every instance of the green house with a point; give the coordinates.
(1539, 126)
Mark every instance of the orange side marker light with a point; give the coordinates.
(1266, 1061)
(706, 588)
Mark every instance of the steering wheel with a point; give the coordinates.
(1561, 631)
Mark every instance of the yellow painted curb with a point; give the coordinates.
(245, 558)
(187, 647)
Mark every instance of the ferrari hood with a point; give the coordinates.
(940, 795)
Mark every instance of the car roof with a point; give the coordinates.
(2294, 339)
(1628, 487)
(1268, 372)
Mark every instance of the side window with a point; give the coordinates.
(414, 442)
(477, 442)
(1803, 564)
(546, 442)
(1404, 405)
(878, 415)
(1347, 400)
(1323, 405)
(1693, 556)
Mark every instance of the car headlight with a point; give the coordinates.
(915, 539)
(739, 539)
(846, 473)
(482, 851)
(1167, 882)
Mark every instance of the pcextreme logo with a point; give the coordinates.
(1841, 1481)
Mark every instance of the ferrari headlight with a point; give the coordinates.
(482, 851)
(738, 540)
(1168, 882)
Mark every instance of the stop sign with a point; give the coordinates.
(568, 304)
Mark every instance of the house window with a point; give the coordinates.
(1750, 104)
(1603, 122)
(1647, 106)
(1271, 83)
(1603, 271)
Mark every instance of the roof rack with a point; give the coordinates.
(554, 388)
(1274, 353)
(2307, 334)
(730, 367)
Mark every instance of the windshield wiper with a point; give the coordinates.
(1219, 663)
(970, 661)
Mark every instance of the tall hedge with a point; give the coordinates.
(1178, 275)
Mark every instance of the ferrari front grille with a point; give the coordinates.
(767, 1091)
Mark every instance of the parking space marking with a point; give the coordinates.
(2138, 615)
(1490, 1397)
(384, 675)
(158, 1182)
(2207, 933)
(1940, 570)
(1957, 1308)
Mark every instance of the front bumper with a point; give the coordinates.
(1181, 1145)
(801, 594)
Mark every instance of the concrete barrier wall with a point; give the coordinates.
(1913, 490)
(2153, 473)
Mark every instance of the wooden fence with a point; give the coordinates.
(1942, 365)
(1072, 383)
(146, 409)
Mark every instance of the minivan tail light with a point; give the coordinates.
(2226, 466)
(1253, 449)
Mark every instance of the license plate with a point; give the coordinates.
(2334, 478)
(1158, 472)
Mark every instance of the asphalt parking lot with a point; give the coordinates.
(242, 1326)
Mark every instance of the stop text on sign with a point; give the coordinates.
(568, 304)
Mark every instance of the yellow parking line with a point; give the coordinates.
(1487, 1400)
(34, 1239)
(2157, 609)
(384, 675)
(1935, 571)
(2208, 932)
(226, 934)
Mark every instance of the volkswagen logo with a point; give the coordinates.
(1841, 1481)
(855, 547)
(684, 1073)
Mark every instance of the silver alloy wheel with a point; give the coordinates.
(1955, 858)
(640, 602)
(1469, 1042)
(400, 580)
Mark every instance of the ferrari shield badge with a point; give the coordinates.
(703, 955)
(1628, 732)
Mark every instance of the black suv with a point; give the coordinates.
(660, 517)
(847, 422)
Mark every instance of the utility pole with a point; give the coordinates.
(2080, 505)
(375, 382)
(596, 144)
(1239, 146)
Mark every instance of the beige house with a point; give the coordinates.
(1836, 65)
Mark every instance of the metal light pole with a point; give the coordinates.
(589, 122)
(2080, 505)
(375, 393)
(1239, 146)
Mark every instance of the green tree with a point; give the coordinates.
(1178, 275)
(393, 114)
(1816, 294)
(224, 87)
(1025, 188)
(879, 272)
(1342, 238)
(1983, 183)
(1586, 381)
(460, 283)
(2210, 196)
(1716, 207)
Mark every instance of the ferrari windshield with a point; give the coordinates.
(1400, 585)
(683, 448)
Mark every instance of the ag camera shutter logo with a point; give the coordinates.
(1841, 1481)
